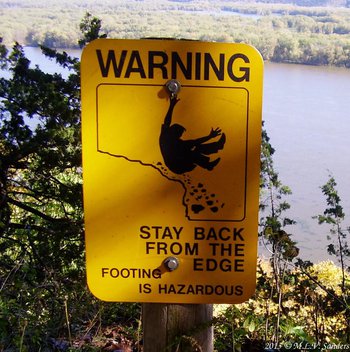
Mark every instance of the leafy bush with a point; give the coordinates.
(313, 310)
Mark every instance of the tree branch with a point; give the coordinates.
(33, 210)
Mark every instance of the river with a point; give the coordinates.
(306, 112)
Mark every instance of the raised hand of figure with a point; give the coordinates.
(214, 133)
(173, 99)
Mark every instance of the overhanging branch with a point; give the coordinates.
(33, 210)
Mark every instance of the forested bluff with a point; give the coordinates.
(313, 32)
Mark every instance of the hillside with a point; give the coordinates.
(335, 3)
(281, 31)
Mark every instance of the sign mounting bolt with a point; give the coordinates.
(173, 86)
(171, 263)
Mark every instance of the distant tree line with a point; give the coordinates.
(282, 33)
(310, 2)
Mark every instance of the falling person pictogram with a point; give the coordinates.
(182, 156)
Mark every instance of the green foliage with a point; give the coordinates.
(334, 216)
(273, 206)
(334, 213)
(90, 27)
(279, 243)
(310, 312)
(41, 202)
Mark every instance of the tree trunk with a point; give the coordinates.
(177, 327)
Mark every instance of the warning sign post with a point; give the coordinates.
(171, 177)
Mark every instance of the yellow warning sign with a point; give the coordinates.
(171, 162)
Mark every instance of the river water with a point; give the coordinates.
(306, 113)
